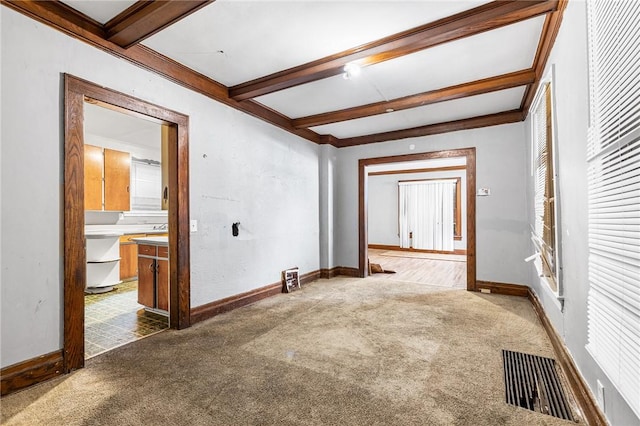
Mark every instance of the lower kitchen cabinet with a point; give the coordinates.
(153, 277)
(129, 255)
(146, 281)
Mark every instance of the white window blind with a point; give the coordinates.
(544, 201)
(614, 193)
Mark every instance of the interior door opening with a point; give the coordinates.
(126, 228)
(126, 199)
(385, 232)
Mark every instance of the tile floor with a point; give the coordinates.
(115, 318)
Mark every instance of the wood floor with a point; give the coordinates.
(424, 268)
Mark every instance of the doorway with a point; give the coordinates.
(77, 93)
(125, 171)
(364, 166)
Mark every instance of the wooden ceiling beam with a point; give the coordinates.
(77, 25)
(478, 87)
(505, 117)
(146, 17)
(547, 39)
(468, 23)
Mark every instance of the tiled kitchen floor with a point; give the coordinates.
(115, 318)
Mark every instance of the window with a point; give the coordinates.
(614, 194)
(457, 210)
(544, 232)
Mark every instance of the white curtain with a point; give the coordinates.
(426, 214)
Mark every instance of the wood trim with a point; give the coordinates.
(76, 91)
(73, 23)
(471, 219)
(584, 397)
(470, 22)
(458, 213)
(398, 248)
(145, 18)
(339, 271)
(424, 170)
(329, 273)
(478, 87)
(504, 117)
(209, 310)
(503, 288)
(545, 45)
(32, 371)
(470, 156)
(74, 242)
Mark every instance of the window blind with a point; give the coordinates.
(614, 193)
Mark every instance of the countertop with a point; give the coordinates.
(156, 241)
(103, 234)
(116, 230)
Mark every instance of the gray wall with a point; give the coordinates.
(241, 169)
(382, 211)
(569, 58)
(501, 219)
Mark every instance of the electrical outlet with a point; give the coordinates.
(193, 225)
(600, 395)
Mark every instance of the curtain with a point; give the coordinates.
(426, 214)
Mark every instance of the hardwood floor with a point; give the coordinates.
(424, 268)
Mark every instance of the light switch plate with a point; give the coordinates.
(483, 192)
(193, 225)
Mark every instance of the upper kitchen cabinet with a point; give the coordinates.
(117, 178)
(107, 176)
(93, 168)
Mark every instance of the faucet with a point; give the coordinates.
(163, 226)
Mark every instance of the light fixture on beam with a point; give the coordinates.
(351, 70)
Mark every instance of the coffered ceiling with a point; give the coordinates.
(426, 67)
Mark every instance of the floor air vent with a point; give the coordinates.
(532, 382)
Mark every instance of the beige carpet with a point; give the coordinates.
(338, 352)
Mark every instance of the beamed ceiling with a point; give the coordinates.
(427, 67)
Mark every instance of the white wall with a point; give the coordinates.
(382, 212)
(571, 116)
(241, 169)
(326, 196)
(501, 219)
(141, 152)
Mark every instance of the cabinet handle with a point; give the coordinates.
(151, 266)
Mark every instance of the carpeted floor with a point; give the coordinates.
(338, 352)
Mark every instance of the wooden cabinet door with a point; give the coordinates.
(146, 278)
(93, 165)
(128, 261)
(117, 178)
(162, 282)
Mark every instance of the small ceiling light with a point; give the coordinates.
(351, 70)
(390, 110)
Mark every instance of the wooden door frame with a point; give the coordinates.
(76, 92)
(470, 155)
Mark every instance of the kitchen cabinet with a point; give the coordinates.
(129, 255)
(153, 274)
(93, 167)
(107, 176)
